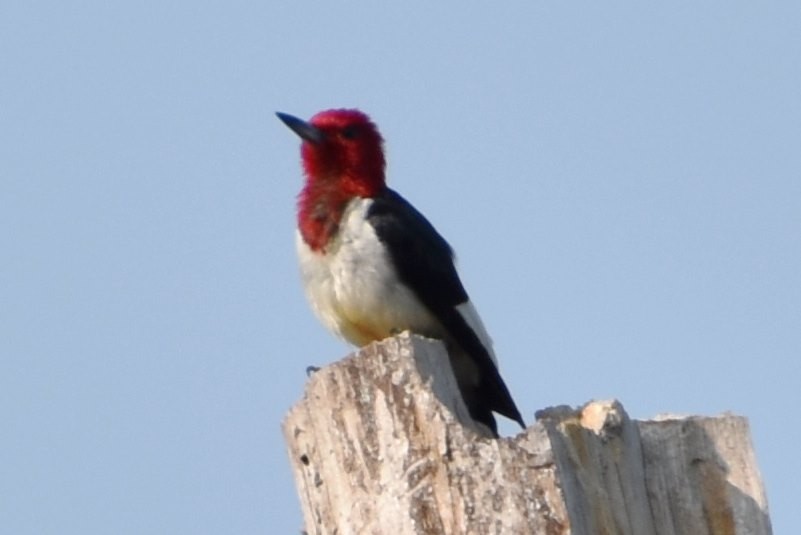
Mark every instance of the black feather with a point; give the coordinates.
(424, 262)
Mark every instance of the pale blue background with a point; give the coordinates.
(622, 183)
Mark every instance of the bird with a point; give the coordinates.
(373, 266)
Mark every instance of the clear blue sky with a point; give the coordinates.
(622, 184)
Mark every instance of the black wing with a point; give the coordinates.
(424, 262)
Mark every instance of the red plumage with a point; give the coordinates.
(347, 162)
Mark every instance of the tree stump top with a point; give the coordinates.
(382, 443)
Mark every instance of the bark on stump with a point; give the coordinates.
(382, 443)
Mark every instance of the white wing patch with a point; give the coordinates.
(468, 312)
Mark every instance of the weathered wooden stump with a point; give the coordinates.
(382, 443)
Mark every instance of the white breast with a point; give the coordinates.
(354, 288)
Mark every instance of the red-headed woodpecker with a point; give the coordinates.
(373, 266)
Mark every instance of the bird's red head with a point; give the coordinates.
(343, 158)
(343, 149)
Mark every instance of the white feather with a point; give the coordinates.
(354, 288)
(470, 315)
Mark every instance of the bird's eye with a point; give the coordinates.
(350, 132)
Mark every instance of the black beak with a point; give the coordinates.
(306, 131)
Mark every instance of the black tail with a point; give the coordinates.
(490, 396)
(486, 393)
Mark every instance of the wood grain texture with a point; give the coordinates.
(382, 443)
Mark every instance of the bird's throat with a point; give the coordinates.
(319, 215)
